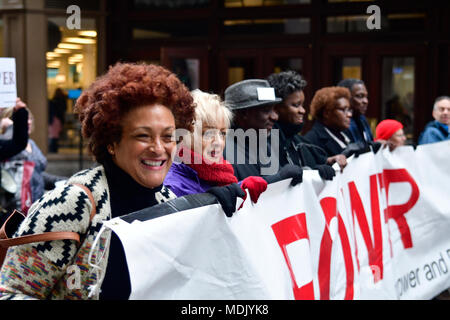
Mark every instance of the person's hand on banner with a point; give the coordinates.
(375, 145)
(355, 148)
(227, 197)
(255, 186)
(286, 172)
(326, 172)
(340, 159)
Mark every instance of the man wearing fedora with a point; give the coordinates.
(251, 147)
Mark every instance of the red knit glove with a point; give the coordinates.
(255, 186)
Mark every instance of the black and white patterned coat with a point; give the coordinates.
(60, 269)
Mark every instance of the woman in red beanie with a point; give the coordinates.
(390, 132)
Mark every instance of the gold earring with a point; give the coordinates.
(110, 150)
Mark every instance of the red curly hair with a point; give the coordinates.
(123, 88)
(325, 99)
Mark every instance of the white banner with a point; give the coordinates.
(379, 230)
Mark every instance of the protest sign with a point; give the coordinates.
(379, 230)
(8, 88)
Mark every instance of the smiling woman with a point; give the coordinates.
(145, 150)
(129, 116)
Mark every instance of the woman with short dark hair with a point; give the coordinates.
(330, 107)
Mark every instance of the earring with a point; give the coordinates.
(110, 150)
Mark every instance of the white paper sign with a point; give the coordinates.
(8, 87)
(266, 94)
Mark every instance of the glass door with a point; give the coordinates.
(189, 64)
(239, 64)
(397, 92)
(402, 93)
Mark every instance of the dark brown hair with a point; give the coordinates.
(126, 86)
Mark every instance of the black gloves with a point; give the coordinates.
(355, 148)
(326, 172)
(227, 197)
(375, 145)
(286, 172)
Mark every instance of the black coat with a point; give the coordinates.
(298, 150)
(319, 137)
(246, 161)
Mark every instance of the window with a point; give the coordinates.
(170, 29)
(187, 70)
(71, 66)
(342, 24)
(346, 68)
(263, 27)
(170, 4)
(285, 64)
(240, 69)
(398, 75)
(262, 3)
(398, 22)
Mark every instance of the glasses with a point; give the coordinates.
(212, 134)
(346, 110)
(399, 135)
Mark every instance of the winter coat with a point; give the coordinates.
(40, 163)
(319, 136)
(434, 132)
(359, 130)
(298, 150)
(41, 270)
(183, 180)
(246, 161)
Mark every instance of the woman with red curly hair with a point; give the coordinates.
(129, 116)
(330, 107)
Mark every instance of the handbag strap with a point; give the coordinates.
(91, 198)
(45, 236)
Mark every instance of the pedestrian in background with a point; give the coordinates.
(438, 129)
(36, 162)
(56, 118)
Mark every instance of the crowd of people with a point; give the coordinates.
(131, 117)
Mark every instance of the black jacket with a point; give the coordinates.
(246, 159)
(298, 150)
(320, 137)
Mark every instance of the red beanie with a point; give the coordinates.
(386, 128)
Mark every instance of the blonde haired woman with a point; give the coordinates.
(200, 165)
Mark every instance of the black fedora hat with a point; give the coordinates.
(250, 93)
